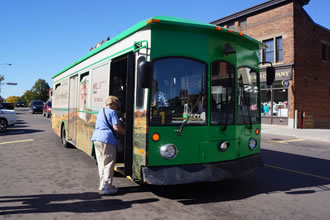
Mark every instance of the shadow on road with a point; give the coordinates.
(19, 122)
(18, 130)
(90, 202)
(269, 179)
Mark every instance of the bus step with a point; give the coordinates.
(119, 167)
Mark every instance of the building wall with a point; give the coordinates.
(309, 90)
(313, 74)
(271, 23)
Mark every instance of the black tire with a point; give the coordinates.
(63, 135)
(3, 125)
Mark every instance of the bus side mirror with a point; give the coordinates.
(270, 75)
(145, 75)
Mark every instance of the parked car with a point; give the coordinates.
(20, 104)
(36, 106)
(7, 105)
(7, 117)
(47, 112)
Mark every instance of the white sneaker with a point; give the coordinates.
(112, 190)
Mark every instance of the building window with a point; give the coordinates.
(329, 52)
(274, 51)
(324, 52)
(268, 53)
(242, 22)
(274, 101)
(279, 49)
(231, 25)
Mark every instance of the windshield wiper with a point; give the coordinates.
(184, 123)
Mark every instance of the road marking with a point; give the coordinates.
(20, 141)
(286, 141)
(299, 172)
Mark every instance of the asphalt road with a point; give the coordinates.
(40, 179)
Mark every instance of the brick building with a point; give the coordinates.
(299, 49)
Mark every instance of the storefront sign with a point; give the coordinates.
(280, 74)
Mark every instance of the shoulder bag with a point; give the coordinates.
(111, 128)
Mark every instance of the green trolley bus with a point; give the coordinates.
(190, 95)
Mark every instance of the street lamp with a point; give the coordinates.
(2, 78)
(9, 83)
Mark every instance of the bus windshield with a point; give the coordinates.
(178, 92)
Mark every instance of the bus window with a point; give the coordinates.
(100, 86)
(247, 97)
(84, 90)
(57, 95)
(178, 92)
(222, 93)
(65, 92)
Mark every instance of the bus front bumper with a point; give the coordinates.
(172, 175)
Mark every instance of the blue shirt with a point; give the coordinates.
(102, 131)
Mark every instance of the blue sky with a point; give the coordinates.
(42, 37)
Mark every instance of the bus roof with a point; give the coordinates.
(165, 20)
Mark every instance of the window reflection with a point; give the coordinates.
(274, 101)
(247, 89)
(178, 92)
(222, 93)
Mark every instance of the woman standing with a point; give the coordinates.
(104, 138)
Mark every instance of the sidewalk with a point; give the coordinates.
(311, 134)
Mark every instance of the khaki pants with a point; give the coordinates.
(106, 159)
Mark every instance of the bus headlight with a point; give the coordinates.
(168, 151)
(253, 143)
(223, 146)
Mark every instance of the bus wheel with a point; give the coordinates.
(63, 135)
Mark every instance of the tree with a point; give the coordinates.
(29, 96)
(13, 99)
(40, 90)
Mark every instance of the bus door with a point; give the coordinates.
(72, 117)
(122, 86)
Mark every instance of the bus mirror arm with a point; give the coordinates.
(270, 71)
(145, 74)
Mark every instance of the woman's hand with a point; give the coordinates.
(119, 129)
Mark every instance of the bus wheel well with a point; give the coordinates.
(63, 136)
(62, 127)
